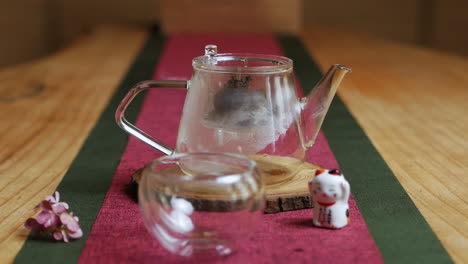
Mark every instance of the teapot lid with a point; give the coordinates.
(241, 62)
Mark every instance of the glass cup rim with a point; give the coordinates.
(250, 165)
(279, 63)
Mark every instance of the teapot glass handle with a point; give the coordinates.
(132, 129)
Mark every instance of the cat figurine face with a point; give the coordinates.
(330, 194)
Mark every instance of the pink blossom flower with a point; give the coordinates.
(54, 204)
(54, 219)
(58, 235)
(47, 219)
(32, 224)
(71, 227)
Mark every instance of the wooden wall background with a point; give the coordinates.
(30, 29)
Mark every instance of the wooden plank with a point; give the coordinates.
(23, 39)
(231, 16)
(394, 20)
(412, 104)
(75, 17)
(450, 26)
(48, 108)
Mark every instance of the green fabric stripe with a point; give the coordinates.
(399, 230)
(85, 184)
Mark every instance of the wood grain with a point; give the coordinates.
(412, 104)
(286, 182)
(48, 108)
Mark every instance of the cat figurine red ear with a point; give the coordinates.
(330, 194)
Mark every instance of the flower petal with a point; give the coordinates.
(31, 224)
(46, 205)
(57, 235)
(50, 198)
(69, 222)
(59, 208)
(77, 234)
(47, 219)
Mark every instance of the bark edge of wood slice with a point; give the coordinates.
(289, 194)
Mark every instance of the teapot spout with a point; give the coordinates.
(315, 105)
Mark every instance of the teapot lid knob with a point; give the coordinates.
(211, 50)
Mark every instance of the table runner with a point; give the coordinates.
(118, 234)
(161, 113)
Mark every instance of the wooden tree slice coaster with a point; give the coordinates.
(286, 185)
(289, 190)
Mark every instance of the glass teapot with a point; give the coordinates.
(247, 104)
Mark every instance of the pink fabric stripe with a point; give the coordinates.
(118, 235)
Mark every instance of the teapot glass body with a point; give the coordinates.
(244, 108)
(247, 104)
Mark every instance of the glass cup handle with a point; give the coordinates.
(132, 129)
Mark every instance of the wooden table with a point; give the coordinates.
(411, 102)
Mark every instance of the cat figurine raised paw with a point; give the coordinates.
(330, 192)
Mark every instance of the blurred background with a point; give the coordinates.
(31, 29)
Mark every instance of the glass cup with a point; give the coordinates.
(201, 204)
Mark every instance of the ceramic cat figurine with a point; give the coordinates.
(330, 192)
